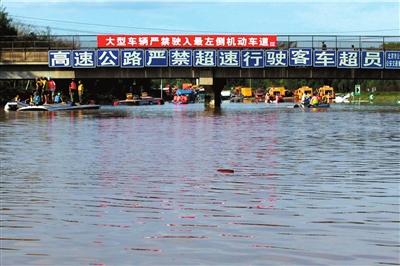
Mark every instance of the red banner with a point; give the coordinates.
(186, 41)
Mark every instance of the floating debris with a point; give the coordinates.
(226, 171)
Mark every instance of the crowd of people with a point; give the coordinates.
(46, 92)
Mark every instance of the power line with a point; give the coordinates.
(397, 30)
(58, 28)
(110, 26)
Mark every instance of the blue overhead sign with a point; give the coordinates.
(61, 58)
(348, 59)
(108, 58)
(156, 58)
(324, 58)
(300, 57)
(84, 59)
(228, 58)
(252, 59)
(392, 59)
(372, 59)
(204, 58)
(248, 58)
(276, 58)
(132, 58)
(180, 57)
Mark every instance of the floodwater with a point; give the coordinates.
(141, 186)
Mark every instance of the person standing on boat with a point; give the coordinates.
(81, 89)
(39, 88)
(303, 98)
(52, 88)
(72, 90)
(45, 90)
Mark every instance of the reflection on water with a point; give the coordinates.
(140, 185)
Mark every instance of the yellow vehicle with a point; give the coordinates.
(278, 94)
(246, 91)
(278, 91)
(327, 93)
(302, 90)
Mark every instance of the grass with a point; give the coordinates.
(392, 97)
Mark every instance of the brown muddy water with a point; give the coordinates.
(146, 186)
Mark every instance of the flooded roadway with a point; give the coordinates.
(141, 186)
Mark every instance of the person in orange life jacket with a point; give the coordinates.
(314, 100)
(72, 90)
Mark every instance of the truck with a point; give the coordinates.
(279, 94)
(302, 90)
(327, 93)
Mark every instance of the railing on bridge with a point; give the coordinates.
(15, 49)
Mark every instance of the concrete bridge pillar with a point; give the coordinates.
(213, 87)
(213, 94)
(218, 86)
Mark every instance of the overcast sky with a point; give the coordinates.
(275, 17)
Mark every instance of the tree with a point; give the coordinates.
(6, 26)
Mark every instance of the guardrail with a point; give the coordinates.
(14, 49)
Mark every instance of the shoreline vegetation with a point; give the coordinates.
(379, 98)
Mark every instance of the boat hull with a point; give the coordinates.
(142, 101)
(14, 106)
(59, 107)
(322, 105)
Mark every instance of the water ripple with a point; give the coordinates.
(175, 185)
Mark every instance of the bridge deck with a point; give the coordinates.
(27, 59)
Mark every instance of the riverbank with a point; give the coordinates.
(392, 97)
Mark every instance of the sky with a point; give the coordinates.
(201, 17)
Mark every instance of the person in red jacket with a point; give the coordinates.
(52, 88)
(72, 90)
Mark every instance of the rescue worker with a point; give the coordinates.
(314, 100)
(45, 91)
(72, 90)
(80, 91)
(52, 88)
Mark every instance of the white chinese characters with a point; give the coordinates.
(84, 59)
(348, 59)
(156, 58)
(204, 58)
(108, 58)
(132, 58)
(371, 59)
(300, 57)
(247, 58)
(276, 58)
(180, 57)
(59, 58)
(229, 58)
